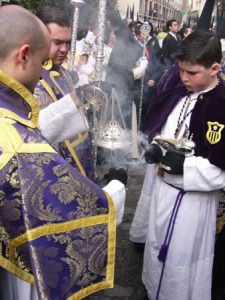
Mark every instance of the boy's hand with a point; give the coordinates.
(151, 83)
(153, 154)
(173, 163)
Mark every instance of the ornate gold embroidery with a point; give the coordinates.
(220, 222)
(48, 229)
(69, 189)
(2, 196)
(21, 261)
(87, 252)
(47, 258)
(35, 207)
(4, 238)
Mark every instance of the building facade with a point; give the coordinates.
(197, 5)
(156, 11)
(195, 10)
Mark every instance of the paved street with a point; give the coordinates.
(128, 285)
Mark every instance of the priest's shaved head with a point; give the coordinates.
(24, 44)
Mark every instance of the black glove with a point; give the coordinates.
(153, 154)
(118, 174)
(74, 76)
(173, 162)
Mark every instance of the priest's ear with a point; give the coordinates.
(23, 55)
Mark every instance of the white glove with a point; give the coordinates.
(139, 71)
(90, 38)
(142, 62)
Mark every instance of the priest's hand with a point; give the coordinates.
(153, 154)
(173, 163)
(74, 77)
(116, 174)
(75, 98)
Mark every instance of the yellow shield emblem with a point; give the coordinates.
(213, 135)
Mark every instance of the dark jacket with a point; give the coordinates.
(169, 47)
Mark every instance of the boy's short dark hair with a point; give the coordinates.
(200, 47)
(53, 14)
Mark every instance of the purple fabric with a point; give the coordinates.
(49, 191)
(42, 189)
(84, 148)
(62, 80)
(160, 107)
(211, 107)
(8, 101)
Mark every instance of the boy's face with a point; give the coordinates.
(196, 77)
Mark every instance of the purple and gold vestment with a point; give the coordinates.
(57, 228)
(55, 84)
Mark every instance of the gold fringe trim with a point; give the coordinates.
(12, 143)
(111, 242)
(5, 113)
(48, 89)
(80, 139)
(9, 266)
(55, 74)
(44, 230)
(89, 290)
(75, 157)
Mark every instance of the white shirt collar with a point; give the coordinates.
(173, 34)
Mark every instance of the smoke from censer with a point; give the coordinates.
(119, 73)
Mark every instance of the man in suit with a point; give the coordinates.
(171, 42)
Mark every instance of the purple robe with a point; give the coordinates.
(57, 227)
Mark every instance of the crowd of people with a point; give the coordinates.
(58, 226)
